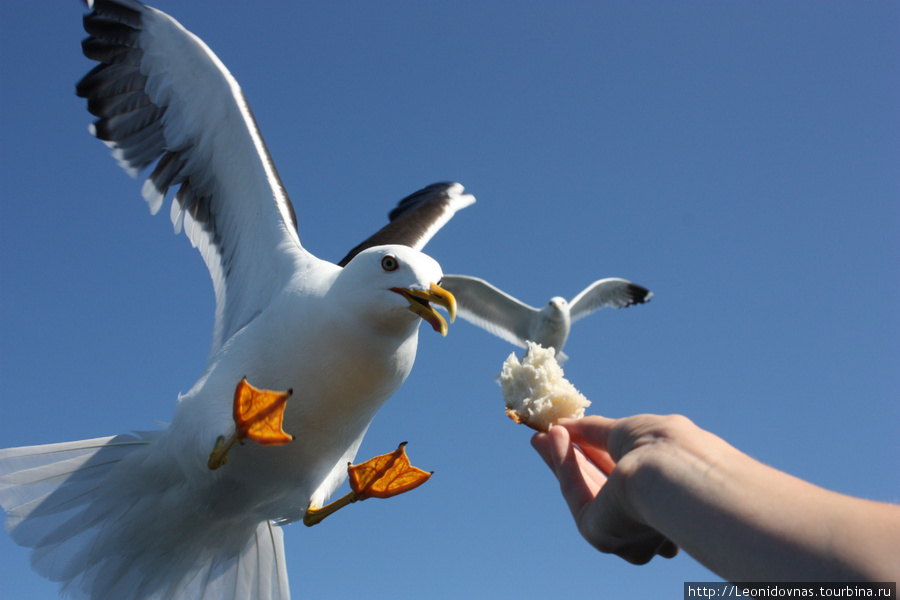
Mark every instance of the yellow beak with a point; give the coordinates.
(419, 304)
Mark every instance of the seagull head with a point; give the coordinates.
(410, 278)
(557, 309)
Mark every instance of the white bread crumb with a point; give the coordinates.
(536, 392)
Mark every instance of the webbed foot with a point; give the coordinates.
(380, 477)
(258, 416)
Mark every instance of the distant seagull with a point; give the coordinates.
(497, 312)
(417, 217)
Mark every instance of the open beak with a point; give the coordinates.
(419, 303)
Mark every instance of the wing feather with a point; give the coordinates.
(417, 218)
(161, 95)
(493, 310)
(614, 292)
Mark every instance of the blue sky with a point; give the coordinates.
(740, 159)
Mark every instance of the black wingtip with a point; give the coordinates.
(638, 294)
(419, 209)
(435, 191)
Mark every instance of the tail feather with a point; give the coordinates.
(248, 579)
(42, 486)
(29, 475)
(108, 530)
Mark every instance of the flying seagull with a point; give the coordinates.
(497, 312)
(152, 515)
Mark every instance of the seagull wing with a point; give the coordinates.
(418, 217)
(612, 291)
(161, 95)
(495, 311)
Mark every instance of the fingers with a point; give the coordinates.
(640, 552)
(592, 434)
(599, 456)
(579, 480)
(593, 427)
(618, 437)
(668, 549)
(541, 443)
(610, 526)
(601, 511)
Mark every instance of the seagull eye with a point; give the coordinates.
(389, 263)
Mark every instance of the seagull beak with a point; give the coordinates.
(419, 304)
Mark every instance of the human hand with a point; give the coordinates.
(637, 485)
(595, 460)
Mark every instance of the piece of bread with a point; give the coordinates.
(536, 392)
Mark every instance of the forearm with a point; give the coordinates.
(746, 521)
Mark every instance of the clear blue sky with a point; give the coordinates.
(740, 159)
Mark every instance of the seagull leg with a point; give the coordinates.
(315, 515)
(219, 455)
(380, 477)
(258, 416)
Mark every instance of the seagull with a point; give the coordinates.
(152, 515)
(497, 312)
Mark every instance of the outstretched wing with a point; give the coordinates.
(482, 304)
(161, 95)
(614, 292)
(418, 217)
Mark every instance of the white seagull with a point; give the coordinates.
(145, 516)
(497, 312)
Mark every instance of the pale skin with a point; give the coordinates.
(648, 485)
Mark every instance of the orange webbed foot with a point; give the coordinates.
(258, 416)
(380, 477)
